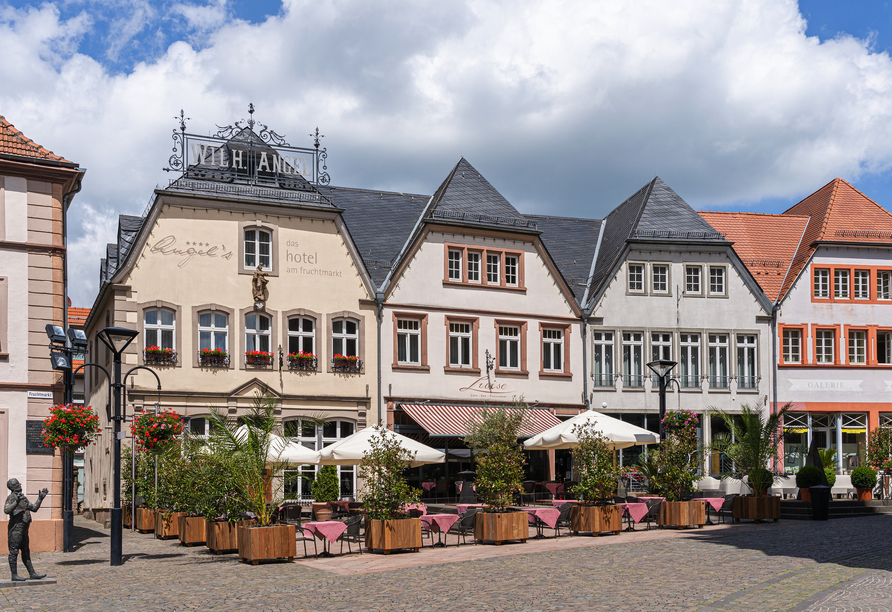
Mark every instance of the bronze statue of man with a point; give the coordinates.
(258, 284)
(19, 510)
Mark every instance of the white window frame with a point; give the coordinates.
(861, 285)
(788, 337)
(663, 287)
(344, 337)
(453, 265)
(473, 267)
(603, 369)
(842, 284)
(689, 360)
(493, 265)
(463, 334)
(693, 273)
(255, 335)
(822, 350)
(856, 346)
(719, 357)
(509, 337)
(660, 348)
(747, 361)
(302, 334)
(511, 270)
(255, 251)
(722, 290)
(635, 277)
(207, 427)
(317, 442)
(159, 328)
(408, 334)
(633, 359)
(552, 349)
(213, 329)
(821, 283)
(884, 285)
(884, 357)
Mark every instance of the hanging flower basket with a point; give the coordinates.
(70, 427)
(258, 357)
(680, 419)
(155, 432)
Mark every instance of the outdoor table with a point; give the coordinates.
(555, 488)
(407, 507)
(561, 502)
(634, 511)
(715, 502)
(441, 523)
(462, 507)
(427, 486)
(549, 516)
(344, 505)
(652, 497)
(327, 531)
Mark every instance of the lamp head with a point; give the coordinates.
(78, 338)
(60, 360)
(661, 367)
(117, 338)
(55, 333)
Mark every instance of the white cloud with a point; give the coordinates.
(566, 106)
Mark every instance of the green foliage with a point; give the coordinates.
(145, 478)
(649, 470)
(326, 486)
(677, 463)
(831, 476)
(594, 463)
(828, 457)
(386, 490)
(219, 493)
(498, 454)
(808, 476)
(864, 477)
(879, 448)
(756, 438)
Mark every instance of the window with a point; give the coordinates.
(822, 283)
(509, 347)
(492, 269)
(602, 360)
(636, 278)
(460, 345)
(884, 285)
(862, 284)
(747, 377)
(298, 483)
(857, 347)
(660, 278)
(408, 341)
(473, 267)
(200, 427)
(258, 248)
(884, 348)
(690, 360)
(692, 279)
(454, 265)
(301, 335)
(511, 270)
(824, 346)
(257, 333)
(718, 361)
(717, 280)
(553, 350)
(633, 359)
(660, 348)
(213, 331)
(159, 328)
(841, 284)
(792, 346)
(344, 338)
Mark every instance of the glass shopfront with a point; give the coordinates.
(845, 433)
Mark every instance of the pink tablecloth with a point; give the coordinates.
(561, 502)
(636, 511)
(345, 505)
(715, 502)
(642, 497)
(549, 516)
(427, 486)
(331, 530)
(439, 522)
(462, 507)
(555, 487)
(407, 507)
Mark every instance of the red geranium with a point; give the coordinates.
(154, 432)
(70, 426)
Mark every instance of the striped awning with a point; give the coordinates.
(453, 420)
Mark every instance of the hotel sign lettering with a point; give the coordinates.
(189, 251)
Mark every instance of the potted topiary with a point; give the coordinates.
(500, 461)
(386, 495)
(598, 475)
(864, 479)
(326, 488)
(808, 476)
(677, 465)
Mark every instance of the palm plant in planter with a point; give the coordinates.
(257, 465)
(598, 475)
(500, 462)
(386, 495)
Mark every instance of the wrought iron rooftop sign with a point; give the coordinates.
(239, 153)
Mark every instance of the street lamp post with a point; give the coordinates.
(117, 339)
(662, 368)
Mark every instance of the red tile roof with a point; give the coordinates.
(13, 142)
(765, 243)
(77, 317)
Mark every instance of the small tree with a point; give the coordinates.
(386, 491)
(676, 459)
(219, 495)
(145, 478)
(879, 448)
(499, 456)
(326, 486)
(593, 462)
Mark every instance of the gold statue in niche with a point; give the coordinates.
(259, 283)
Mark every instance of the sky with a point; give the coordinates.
(567, 107)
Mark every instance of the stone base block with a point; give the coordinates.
(6, 584)
(45, 535)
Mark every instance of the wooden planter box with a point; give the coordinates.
(191, 530)
(127, 516)
(755, 508)
(257, 544)
(682, 514)
(864, 494)
(388, 536)
(499, 527)
(167, 524)
(221, 536)
(145, 520)
(596, 519)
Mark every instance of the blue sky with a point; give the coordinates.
(566, 106)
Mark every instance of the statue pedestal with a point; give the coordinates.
(5, 584)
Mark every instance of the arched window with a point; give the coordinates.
(258, 248)
(200, 427)
(257, 333)
(213, 331)
(301, 335)
(298, 484)
(345, 338)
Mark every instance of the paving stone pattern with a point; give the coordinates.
(802, 566)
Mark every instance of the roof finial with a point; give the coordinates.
(183, 119)
(316, 138)
(251, 116)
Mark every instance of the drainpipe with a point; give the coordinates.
(586, 313)
(379, 300)
(774, 310)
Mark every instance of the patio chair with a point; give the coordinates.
(305, 535)
(529, 492)
(653, 511)
(464, 526)
(727, 506)
(562, 521)
(353, 533)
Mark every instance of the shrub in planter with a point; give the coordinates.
(326, 488)
(808, 476)
(864, 479)
(831, 476)
(386, 493)
(598, 476)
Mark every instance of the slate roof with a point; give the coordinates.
(765, 243)
(654, 213)
(571, 243)
(467, 198)
(13, 142)
(380, 222)
(115, 253)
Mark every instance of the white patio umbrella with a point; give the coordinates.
(281, 449)
(618, 433)
(352, 449)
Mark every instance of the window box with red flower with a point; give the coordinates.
(258, 358)
(155, 432)
(346, 363)
(213, 358)
(156, 355)
(302, 361)
(70, 427)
